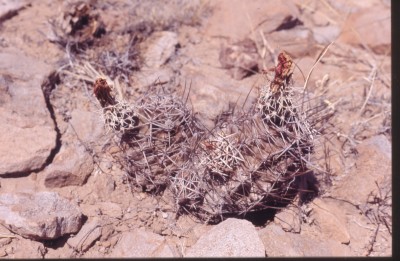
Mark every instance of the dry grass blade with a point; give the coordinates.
(320, 56)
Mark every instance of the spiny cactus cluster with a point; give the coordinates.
(250, 161)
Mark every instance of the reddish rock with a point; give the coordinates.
(373, 165)
(71, 167)
(87, 125)
(253, 15)
(279, 243)
(369, 27)
(27, 134)
(24, 149)
(331, 220)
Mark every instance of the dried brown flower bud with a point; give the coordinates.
(103, 93)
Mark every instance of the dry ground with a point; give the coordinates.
(352, 79)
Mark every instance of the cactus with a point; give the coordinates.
(250, 161)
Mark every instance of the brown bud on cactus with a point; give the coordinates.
(103, 93)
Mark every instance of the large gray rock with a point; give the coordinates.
(27, 133)
(43, 215)
(71, 167)
(141, 243)
(231, 238)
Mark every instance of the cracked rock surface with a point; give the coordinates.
(27, 134)
(42, 215)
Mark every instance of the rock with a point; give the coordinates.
(289, 219)
(241, 58)
(10, 8)
(277, 242)
(150, 76)
(87, 125)
(372, 165)
(104, 185)
(326, 34)
(358, 226)
(25, 122)
(282, 244)
(331, 220)
(360, 24)
(43, 215)
(110, 209)
(71, 167)
(229, 17)
(24, 149)
(159, 47)
(213, 91)
(89, 233)
(28, 249)
(231, 238)
(297, 41)
(141, 243)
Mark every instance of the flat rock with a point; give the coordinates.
(360, 24)
(326, 34)
(110, 209)
(87, 125)
(43, 215)
(141, 243)
(229, 17)
(279, 243)
(26, 249)
(240, 59)
(24, 149)
(149, 76)
(297, 41)
(25, 122)
(71, 167)
(331, 220)
(159, 47)
(231, 238)
(289, 219)
(374, 164)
